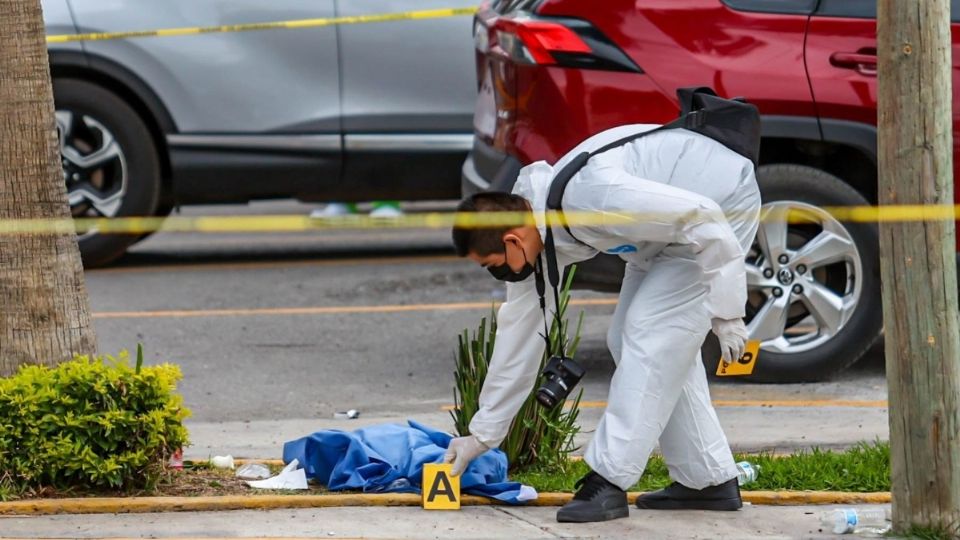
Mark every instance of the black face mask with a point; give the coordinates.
(503, 272)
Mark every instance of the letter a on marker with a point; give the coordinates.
(441, 490)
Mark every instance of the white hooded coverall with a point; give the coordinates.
(685, 266)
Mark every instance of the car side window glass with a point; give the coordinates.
(799, 7)
(867, 9)
(508, 6)
(857, 9)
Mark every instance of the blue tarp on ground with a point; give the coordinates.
(390, 458)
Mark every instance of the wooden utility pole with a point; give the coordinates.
(918, 262)
(44, 309)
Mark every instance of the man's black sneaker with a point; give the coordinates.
(726, 496)
(596, 500)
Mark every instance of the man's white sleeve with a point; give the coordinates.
(515, 363)
(640, 210)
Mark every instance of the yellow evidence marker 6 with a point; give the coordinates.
(744, 365)
(441, 489)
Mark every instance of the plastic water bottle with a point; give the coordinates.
(872, 521)
(747, 472)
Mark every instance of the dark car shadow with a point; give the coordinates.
(240, 256)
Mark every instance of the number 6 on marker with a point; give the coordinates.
(744, 365)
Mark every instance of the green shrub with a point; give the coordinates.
(88, 424)
(538, 436)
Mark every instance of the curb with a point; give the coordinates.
(140, 505)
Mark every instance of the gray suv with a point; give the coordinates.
(347, 113)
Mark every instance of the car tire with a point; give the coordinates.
(830, 347)
(129, 185)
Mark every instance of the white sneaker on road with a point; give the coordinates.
(386, 212)
(332, 210)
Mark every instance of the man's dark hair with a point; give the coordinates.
(486, 240)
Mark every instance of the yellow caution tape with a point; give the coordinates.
(443, 220)
(287, 25)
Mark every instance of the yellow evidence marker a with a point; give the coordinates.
(441, 489)
(744, 365)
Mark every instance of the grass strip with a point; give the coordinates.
(863, 468)
(932, 533)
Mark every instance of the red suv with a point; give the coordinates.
(553, 72)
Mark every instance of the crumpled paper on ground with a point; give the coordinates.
(291, 477)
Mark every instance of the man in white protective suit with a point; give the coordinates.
(682, 210)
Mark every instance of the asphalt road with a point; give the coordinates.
(276, 327)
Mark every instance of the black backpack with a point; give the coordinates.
(733, 123)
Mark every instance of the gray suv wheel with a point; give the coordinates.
(804, 278)
(814, 286)
(109, 161)
(94, 166)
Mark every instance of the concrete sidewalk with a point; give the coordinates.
(508, 523)
(749, 429)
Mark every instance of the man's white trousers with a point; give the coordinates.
(659, 389)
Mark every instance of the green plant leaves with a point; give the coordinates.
(89, 423)
(139, 358)
(538, 437)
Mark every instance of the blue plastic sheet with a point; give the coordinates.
(389, 458)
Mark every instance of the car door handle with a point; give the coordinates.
(863, 63)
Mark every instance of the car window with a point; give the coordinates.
(867, 9)
(802, 7)
(509, 6)
(858, 9)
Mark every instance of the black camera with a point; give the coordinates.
(560, 376)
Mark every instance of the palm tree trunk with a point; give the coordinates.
(44, 308)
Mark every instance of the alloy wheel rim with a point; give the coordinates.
(94, 167)
(804, 278)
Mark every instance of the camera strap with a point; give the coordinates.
(541, 292)
(553, 274)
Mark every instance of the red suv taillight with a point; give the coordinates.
(562, 42)
(533, 42)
